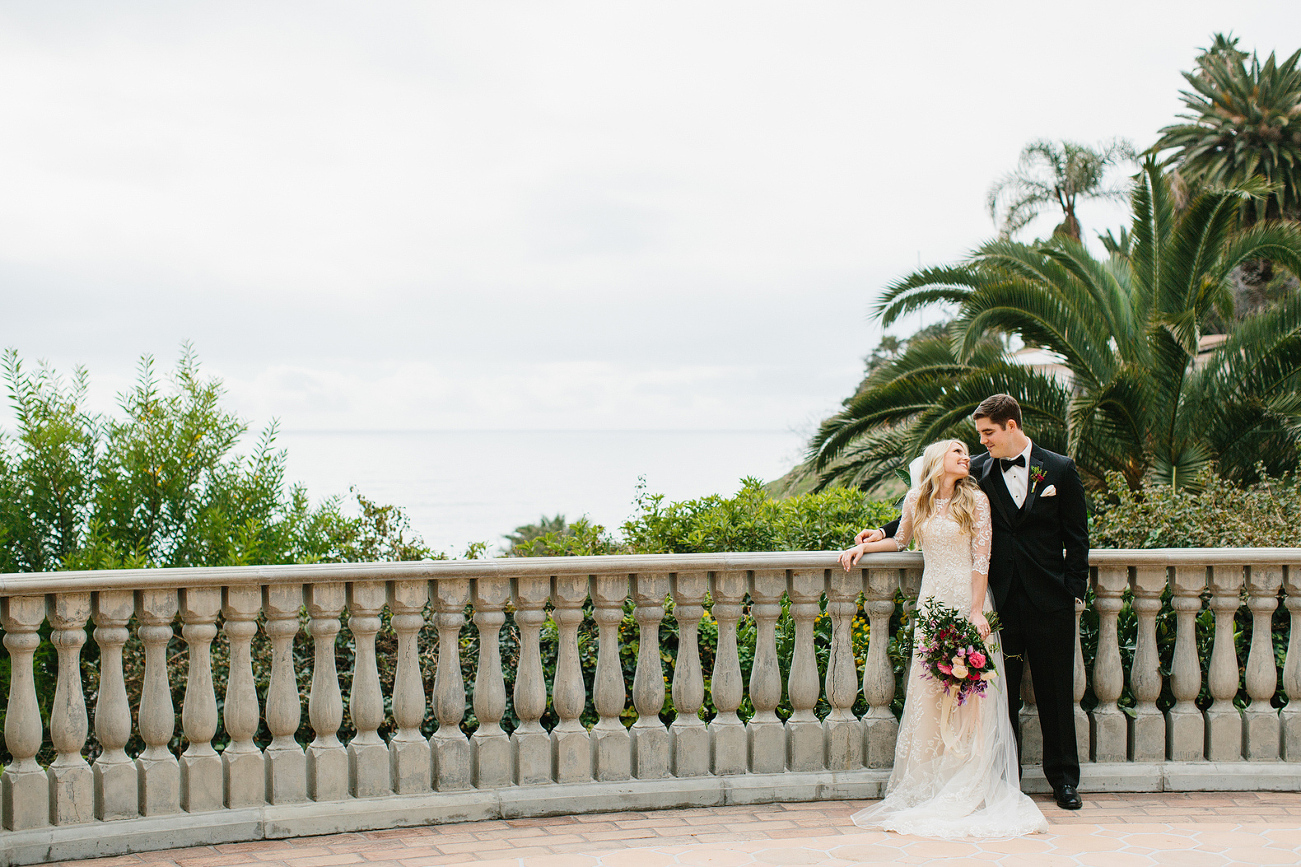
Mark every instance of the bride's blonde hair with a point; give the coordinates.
(962, 505)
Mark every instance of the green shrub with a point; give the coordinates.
(1211, 513)
(753, 521)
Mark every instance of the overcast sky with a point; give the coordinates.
(389, 215)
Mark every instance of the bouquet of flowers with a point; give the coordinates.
(951, 651)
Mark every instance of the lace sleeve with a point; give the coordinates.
(903, 536)
(982, 535)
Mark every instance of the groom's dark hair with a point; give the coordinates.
(1000, 409)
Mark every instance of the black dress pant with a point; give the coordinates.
(1046, 641)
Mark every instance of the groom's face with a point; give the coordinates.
(999, 440)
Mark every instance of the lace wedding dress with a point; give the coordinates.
(965, 784)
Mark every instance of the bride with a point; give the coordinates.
(962, 780)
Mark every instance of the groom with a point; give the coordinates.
(1038, 567)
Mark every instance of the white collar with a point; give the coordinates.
(1025, 453)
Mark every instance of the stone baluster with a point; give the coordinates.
(530, 742)
(726, 687)
(1032, 736)
(1223, 719)
(804, 735)
(1184, 723)
(571, 749)
(72, 785)
(765, 732)
(448, 744)
(24, 786)
(1261, 724)
(368, 755)
(844, 733)
(1110, 731)
(490, 750)
(410, 759)
(688, 736)
(242, 762)
(201, 776)
(910, 586)
(327, 760)
(160, 773)
(1291, 713)
(611, 743)
(880, 728)
(117, 787)
(1082, 735)
(286, 764)
(1147, 726)
(650, 739)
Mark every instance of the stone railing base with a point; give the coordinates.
(102, 839)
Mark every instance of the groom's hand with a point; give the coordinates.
(876, 534)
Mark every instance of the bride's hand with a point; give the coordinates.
(850, 557)
(982, 625)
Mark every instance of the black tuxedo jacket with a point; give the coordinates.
(1044, 545)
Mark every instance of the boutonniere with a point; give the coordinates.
(1037, 476)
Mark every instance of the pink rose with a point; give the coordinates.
(977, 659)
(947, 669)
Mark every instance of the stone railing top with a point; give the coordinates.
(20, 584)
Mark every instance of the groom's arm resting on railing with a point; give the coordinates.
(876, 534)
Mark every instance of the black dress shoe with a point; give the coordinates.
(1068, 798)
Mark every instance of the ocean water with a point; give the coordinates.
(459, 487)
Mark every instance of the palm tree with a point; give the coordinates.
(1143, 399)
(1243, 121)
(1056, 173)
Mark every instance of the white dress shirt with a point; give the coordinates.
(1018, 478)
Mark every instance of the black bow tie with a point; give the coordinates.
(1008, 463)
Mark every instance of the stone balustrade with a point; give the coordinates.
(745, 753)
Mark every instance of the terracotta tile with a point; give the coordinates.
(789, 857)
(721, 837)
(631, 834)
(637, 858)
(770, 825)
(323, 861)
(1112, 859)
(220, 859)
(584, 827)
(1192, 859)
(521, 852)
(941, 849)
(442, 860)
(1039, 859)
(292, 852)
(656, 822)
(540, 822)
(510, 833)
(1283, 836)
(1260, 855)
(560, 861)
(864, 852)
(609, 817)
(714, 856)
(797, 833)
(1160, 842)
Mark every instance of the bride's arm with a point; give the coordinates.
(850, 556)
(982, 537)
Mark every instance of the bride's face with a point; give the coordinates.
(956, 461)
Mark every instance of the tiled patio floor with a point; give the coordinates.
(1187, 830)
